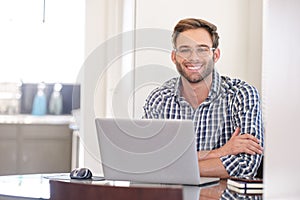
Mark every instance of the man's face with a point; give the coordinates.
(194, 57)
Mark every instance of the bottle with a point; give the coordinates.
(56, 100)
(39, 106)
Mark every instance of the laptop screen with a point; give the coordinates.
(153, 151)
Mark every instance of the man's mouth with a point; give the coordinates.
(193, 66)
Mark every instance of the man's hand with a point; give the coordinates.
(245, 143)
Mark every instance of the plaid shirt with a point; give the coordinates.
(231, 103)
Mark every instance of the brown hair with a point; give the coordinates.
(192, 23)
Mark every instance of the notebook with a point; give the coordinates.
(245, 185)
(149, 151)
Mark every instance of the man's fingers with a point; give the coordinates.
(251, 147)
(256, 148)
(245, 143)
(248, 144)
(236, 132)
(250, 137)
(244, 136)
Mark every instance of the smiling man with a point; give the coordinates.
(226, 112)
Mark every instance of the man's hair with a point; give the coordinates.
(192, 23)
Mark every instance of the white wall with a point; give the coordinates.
(95, 21)
(281, 94)
(104, 20)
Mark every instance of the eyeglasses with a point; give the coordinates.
(201, 51)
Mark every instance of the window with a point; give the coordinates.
(33, 50)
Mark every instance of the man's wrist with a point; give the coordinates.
(218, 153)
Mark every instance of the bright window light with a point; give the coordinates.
(33, 50)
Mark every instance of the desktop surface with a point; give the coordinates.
(37, 186)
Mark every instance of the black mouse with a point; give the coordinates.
(81, 173)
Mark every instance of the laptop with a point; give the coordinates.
(149, 151)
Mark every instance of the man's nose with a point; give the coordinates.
(194, 55)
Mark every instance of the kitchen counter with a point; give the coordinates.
(31, 119)
(35, 144)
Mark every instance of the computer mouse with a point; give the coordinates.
(81, 173)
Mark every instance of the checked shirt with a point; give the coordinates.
(231, 103)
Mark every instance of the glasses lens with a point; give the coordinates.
(202, 51)
(186, 52)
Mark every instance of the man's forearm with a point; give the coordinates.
(204, 155)
(210, 163)
(212, 168)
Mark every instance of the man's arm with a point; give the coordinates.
(246, 114)
(212, 168)
(210, 163)
(245, 143)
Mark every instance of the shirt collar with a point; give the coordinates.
(215, 86)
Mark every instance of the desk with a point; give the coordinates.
(37, 186)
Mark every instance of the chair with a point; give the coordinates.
(260, 171)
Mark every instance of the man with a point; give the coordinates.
(226, 112)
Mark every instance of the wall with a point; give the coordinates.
(281, 98)
(100, 73)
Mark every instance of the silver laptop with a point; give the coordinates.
(149, 151)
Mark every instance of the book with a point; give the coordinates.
(247, 191)
(245, 183)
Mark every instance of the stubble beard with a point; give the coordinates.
(196, 78)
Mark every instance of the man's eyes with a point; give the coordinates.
(200, 49)
(185, 50)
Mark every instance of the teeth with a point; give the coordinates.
(193, 67)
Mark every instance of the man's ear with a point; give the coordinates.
(173, 56)
(217, 54)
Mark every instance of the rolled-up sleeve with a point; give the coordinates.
(247, 115)
(242, 165)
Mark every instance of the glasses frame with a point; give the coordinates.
(189, 54)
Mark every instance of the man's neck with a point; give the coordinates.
(196, 93)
